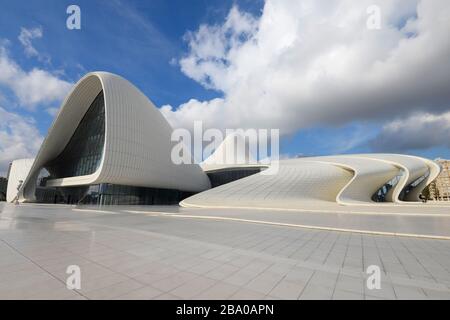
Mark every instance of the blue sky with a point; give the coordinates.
(136, 39)
(144, 42)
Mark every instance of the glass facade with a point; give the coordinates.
(82, 156)
(49, 195)
(219, 178)
(413, 185)
(112, 194)
(83, 153)
(380, 195)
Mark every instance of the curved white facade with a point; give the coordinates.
(411, 169)
(369, 175)
(234, 151)
(134, 150)
(19, 171)
(346, 180)
(297, 183)
(137, 144)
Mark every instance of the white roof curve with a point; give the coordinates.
(344, 179)
(137, 148)
(233, 152)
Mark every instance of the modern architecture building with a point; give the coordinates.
(17, 173)
(365, 179)
(232, 160)
(110, 145)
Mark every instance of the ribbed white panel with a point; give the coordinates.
(138, 146)
(300, 183)
(296, 183)
(233, 152)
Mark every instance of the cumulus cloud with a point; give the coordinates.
(315, 62)
(19, 135)
(26, 36)
(19, 138)
(419, 131)
(52, 111)
(33, 87)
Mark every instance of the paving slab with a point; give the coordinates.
(152, 252)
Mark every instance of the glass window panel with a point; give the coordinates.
(82, 154)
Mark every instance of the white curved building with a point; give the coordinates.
(110, 145)
(107, 133)
(366, 179)
(18, 172)
(234, 151)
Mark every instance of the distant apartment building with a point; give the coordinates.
(439, 189)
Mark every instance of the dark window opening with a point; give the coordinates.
(221, 177)
(83, 153)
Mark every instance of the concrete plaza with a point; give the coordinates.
(175, 253)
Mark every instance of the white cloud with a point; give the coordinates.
(25, 37)
(193, 110)
(33, 87)
(52, 111)
(314, 62)
(212, 47)
(419, 131)
(19, 138)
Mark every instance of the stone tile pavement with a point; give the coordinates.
(125, 255)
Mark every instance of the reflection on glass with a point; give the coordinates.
(381, 194)
(112, 194)
(83, 153)
(219, 178)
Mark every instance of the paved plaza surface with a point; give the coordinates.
(127, 252)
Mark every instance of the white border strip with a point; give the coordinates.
(197, 206)
(398, 234)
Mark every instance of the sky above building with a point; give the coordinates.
(317, 70)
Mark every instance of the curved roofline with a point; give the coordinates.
(134, 152)
(78, 92)
(367, 174)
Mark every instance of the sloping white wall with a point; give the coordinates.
(19, 171)
(412, 167)
(369, 175)
(137, 149)
(233, 152)
(297, 183)
(301, 183)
